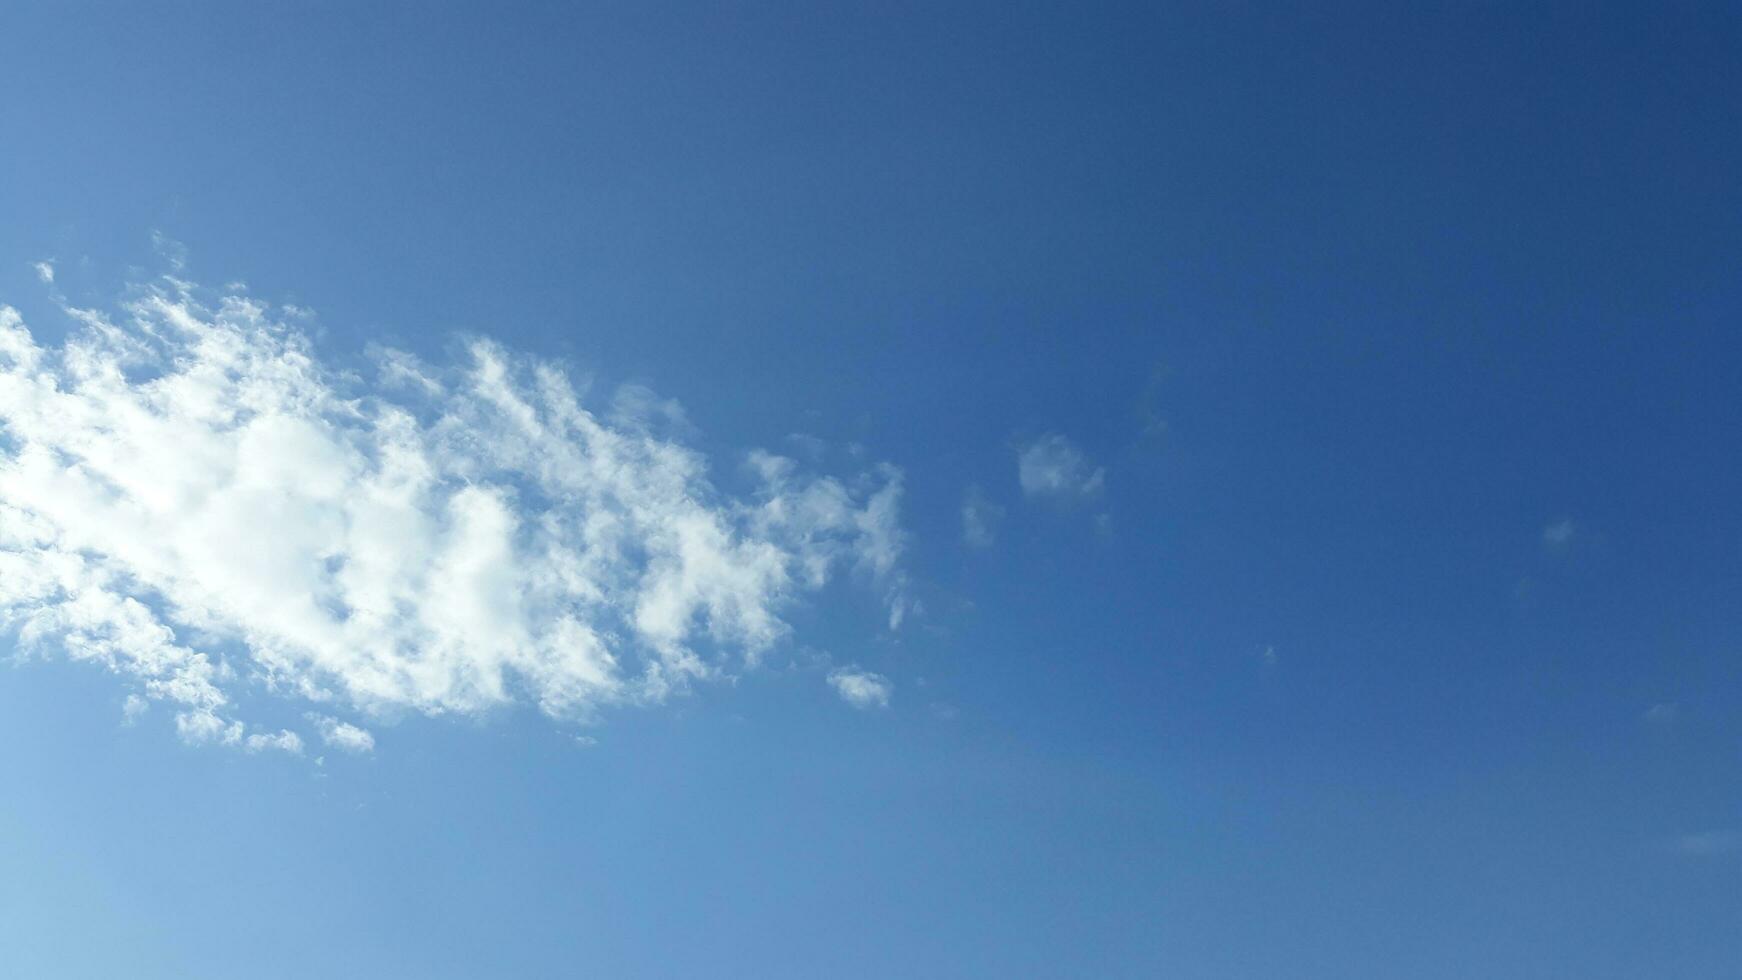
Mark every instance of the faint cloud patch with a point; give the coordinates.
(861, 688)
(1052, 466)
(1558, 535)
(1152, 424)
(808, 446)
(980, 519)
(1708, 844)
(170, 250)
(638, 408)
(1663, 714)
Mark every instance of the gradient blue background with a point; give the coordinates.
(1407, 283)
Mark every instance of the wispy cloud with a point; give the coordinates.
(191, 498)
(1664, 713)
(1559, 534)
(1153, 424)
(1708, 844)
(1051, 466)
(980, 519)
(170, 250)
(861, 688)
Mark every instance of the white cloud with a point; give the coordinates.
(190, 498)
(202, 726)
(1051, 466)
(283, 742)
(980, 519)
(133, 709)
(1558, 534)
(342, 734)
(44, 271)
(861, 688)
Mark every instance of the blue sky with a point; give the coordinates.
(900, 490)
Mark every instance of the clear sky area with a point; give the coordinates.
(870, 491)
